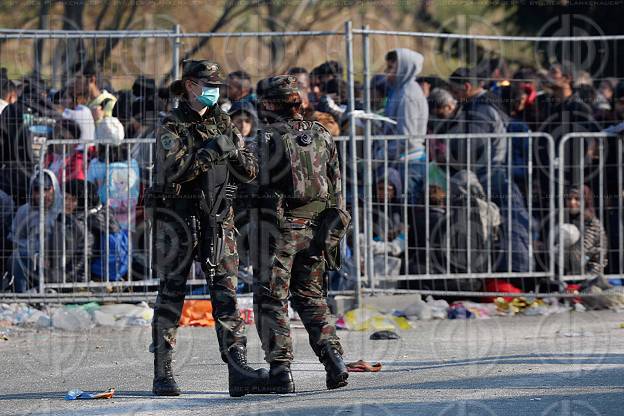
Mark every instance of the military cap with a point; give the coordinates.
(277, 86)
(207, 71)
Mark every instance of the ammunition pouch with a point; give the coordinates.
(333, 225)
(309, 211)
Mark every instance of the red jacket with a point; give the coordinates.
(74, 167)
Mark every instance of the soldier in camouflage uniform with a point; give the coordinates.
(200, 156)
(299, 165)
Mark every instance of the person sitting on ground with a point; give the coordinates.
(388, 242)
(118, 260)
(70, 237)
(437, 242)
(25, 232)
(588, 256)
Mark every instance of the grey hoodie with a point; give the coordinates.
(407, 104)
(25, 228)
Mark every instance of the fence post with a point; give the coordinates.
(41, 224)
(368, 156)
(176, 53)
(355, 250)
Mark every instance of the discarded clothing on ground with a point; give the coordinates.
(78, 394)
(362, 366)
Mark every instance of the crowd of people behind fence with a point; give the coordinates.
(487, 210)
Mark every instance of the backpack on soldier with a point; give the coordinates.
(306, 151)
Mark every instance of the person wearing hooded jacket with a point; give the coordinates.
(407, 105)
(388, 225)
(70, 236)
(246, 210)
(25, 233)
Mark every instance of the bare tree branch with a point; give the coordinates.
(44, 19)
(227, 15)
(106, 52)
(318, 16)
(74, 50)
(103, 12)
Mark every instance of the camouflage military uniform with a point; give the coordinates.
(299, 162)
(180, 175)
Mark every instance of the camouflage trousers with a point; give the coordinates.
(173, 256)
(298, 270)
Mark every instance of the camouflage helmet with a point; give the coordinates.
(206, 71)
(277, 87)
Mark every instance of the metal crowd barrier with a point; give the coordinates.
(577, 171)
(381, 280)
(376, 279)
(366, 277)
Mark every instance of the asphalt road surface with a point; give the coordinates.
(566, 364)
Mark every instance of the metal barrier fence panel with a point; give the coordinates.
(411, 247)
(590, 239)
(448, 52)
(157, 54)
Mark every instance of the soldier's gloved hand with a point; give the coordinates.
(223, 146)
(207, 157)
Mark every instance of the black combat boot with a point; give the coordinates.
(242, 378)
(164, 383)
(335, 367)
(280, 379)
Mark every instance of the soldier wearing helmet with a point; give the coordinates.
(200, 157)
(298, 165)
